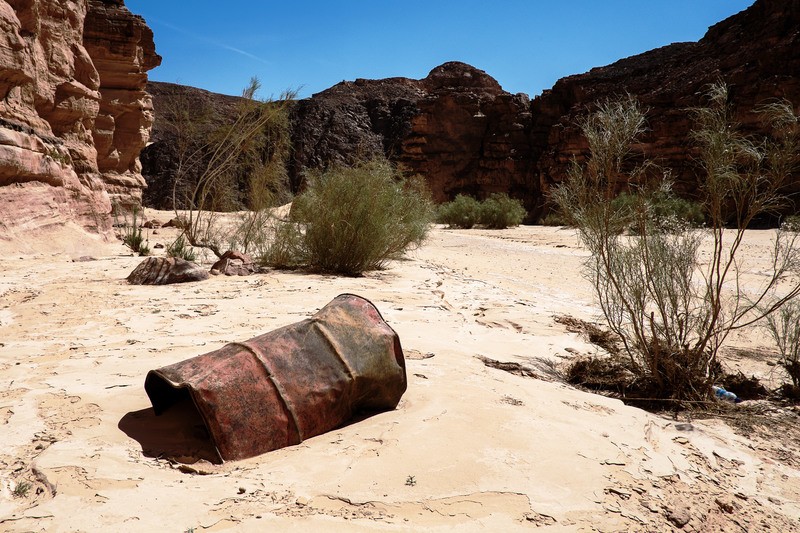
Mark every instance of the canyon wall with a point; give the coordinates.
(73, 113)
(756, 53)
(457, 127)
(465, 134)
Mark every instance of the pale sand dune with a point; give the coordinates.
(469, 447)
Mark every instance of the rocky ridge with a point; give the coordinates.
(73, 113)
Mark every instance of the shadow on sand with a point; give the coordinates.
(178, 434)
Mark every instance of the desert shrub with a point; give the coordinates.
(285, 250)
(671, 310)
(463, 212)
(500, 212)
(219, 163)
(554, 218)
(496, 212)
(21, 489)
(784, 327)
(661, 208)
(181, 248)
(353, 219)
(791, 224)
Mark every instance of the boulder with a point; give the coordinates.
(166, 270)
(234, 263)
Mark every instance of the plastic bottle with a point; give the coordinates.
(722, 394)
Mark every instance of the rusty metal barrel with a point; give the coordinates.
(292, 383)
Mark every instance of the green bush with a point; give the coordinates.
(181, 248)
(496, 212)
(554, 218)
(671, 305)
(500, 212)
(286, 248)
(463, 212)
(354, 219)
(132, 235)
(791, 223)
(660, 208)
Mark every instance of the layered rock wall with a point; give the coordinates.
(51, 94)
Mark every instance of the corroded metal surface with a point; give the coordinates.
(285, 386)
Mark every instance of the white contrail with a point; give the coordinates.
(210, 41)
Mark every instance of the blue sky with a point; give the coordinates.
(310, 45)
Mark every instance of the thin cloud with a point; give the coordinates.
(211, 41)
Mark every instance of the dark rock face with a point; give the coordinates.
(756, 52)
(457, 127)
(351, 121)
(465, 134)
(166, 270)
(160, 157)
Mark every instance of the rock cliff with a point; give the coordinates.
(73, 114)
(457, 127)
(756, 52)
(465, 134)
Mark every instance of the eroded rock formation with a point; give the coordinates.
(121, 47)
(465, 134)
(457, 127)
(52, 91)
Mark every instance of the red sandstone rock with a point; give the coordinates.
(465, 134)
(756, 52)
(50, 100)
(233, 263)
(121, 47)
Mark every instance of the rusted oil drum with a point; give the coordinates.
(290, 384)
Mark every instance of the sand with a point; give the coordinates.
(469, 448)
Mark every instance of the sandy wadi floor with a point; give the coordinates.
(469, 447)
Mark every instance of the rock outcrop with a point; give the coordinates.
(160, 158)
(465, 134)
(457, 127)
(166, 271)
(52, 91)
(756, 53)
(122, 50)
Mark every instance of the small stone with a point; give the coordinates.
(301, 501)
(242, 490)
(726, 505)
(679, 517)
